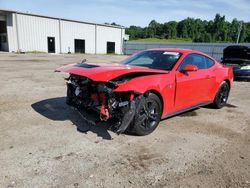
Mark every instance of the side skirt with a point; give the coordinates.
(185, 110)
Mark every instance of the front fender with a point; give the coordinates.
(163, 84)
(140, 84)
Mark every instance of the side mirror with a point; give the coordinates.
(190, 67)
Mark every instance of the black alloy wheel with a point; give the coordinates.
(148, 115)
(222, 95)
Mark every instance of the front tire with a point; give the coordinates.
(221, 95)
(148, 115)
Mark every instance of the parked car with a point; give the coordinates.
(148, 86)
(239, 58)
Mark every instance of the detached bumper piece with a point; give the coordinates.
(119, 107)
(126, 119)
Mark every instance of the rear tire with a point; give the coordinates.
(148, 115)
(221, 95)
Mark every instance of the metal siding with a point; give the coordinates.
(213, 49)
(105, 34)
(73, 30)
(33, 33)
(122, 40)
(11, 32)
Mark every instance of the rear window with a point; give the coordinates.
(209, 62)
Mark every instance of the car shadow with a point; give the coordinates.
(56, 109)
(193, 112)
(228, 105)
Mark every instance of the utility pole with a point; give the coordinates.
(239, 31)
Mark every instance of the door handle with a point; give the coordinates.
(208, 76)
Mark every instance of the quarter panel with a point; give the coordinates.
(221, 73)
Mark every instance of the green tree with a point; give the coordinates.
(182, 29)
(243, 33)
(220, 28)
(155, 29)
(135, 32)
(169, 29)
(216, 30)
(234, 27)
(247, 39)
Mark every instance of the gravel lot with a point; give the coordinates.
(41, 147)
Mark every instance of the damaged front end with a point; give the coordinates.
(86, 94)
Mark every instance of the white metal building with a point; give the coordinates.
(24, 32)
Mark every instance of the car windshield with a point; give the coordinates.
(163, 60)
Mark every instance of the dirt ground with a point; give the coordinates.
(41, 147)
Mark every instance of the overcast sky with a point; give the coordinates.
(132, 12)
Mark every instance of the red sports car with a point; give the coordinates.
(148, 86)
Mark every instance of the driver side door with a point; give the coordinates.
(191, 86)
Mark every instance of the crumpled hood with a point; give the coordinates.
(106, 72)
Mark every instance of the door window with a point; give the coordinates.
(194, 59)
